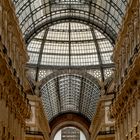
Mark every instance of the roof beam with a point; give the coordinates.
(69, 43)
(58, 93)
(98, 53)
(75, 54)
(81, 94)
(111, 65)
(65, 41)
(31, 13)
(40, 53)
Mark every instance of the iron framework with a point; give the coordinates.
(35, 15)
(70, 45)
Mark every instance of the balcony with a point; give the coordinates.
(106, 135)
(28, 132)
(106, 132)
(36, 135)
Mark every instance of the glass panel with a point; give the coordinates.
(34, 46)
(106, 58)
(99, 35)
(33, 58)
(105, 46)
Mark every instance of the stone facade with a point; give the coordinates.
(102, 126)
(126, 105)
(14, 106)
(18, 117)
(37, 126)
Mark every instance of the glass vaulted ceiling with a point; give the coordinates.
(70, 93)
(34, 15)
(70, 34)
(70, 45)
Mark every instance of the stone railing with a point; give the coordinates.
(29, 132)
(106, 132)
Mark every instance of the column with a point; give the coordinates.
(136, 28)
(9, 40)
(127, 51)
(133, 114)
(130, 34)
(1, 17)
(4, 30)
(125, 127)
(138, 105)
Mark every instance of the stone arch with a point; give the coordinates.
(70, 120)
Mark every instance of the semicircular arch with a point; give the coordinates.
(69, 72)
(70, 120)
(70, 92)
